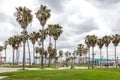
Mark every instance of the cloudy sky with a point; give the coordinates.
(77, 17)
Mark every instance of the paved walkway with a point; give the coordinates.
(4, 69)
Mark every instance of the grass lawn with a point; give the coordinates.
(71, 74)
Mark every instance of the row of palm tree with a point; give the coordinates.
(24, 17)
(92, 40)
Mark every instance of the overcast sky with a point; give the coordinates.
(77, 17)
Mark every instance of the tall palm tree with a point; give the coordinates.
(41, 39)
(50, 49)
(17, 42)
(43, 14)
(87, 42)
(50, 33)
(57, 31)
(5, 47)
(33, 38)
(107, 40)
(115, 41)
(92, 39)
(85, 51)
(100, 44)
(11, 42)
(80, 48)
(24, 17)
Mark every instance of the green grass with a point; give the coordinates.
(71, 74)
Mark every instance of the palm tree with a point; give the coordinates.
(50, 49)
(115, 41)
(27, 41)
(107, 40)
(80, 48)
(67, 57)
(74, 55)
(57, 31)
(33, 38)
(37, 51)
(87, 42)
(50, 31)
(66, 54)
(100, 44)
(45, 55)
(1, 49)
(92, 39)
(24, 17)
(61, 54)
(17, 42)
(5, 46)
(11, 41)
(41, 39)
(85, 51)
(43, 14)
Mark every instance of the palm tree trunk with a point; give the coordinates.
(55, 54)
(17, 56)
(33, 54)
(29, 53)
(100, 58)
(89, 59)
(42, 65)
(115, 58)
(5, 55)
(45, 60)
(13, 56)
(107, 57)
(49, 53)
(74, 59)
(92, 57)
(23, 49)
(49, 62)
(55, 51)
